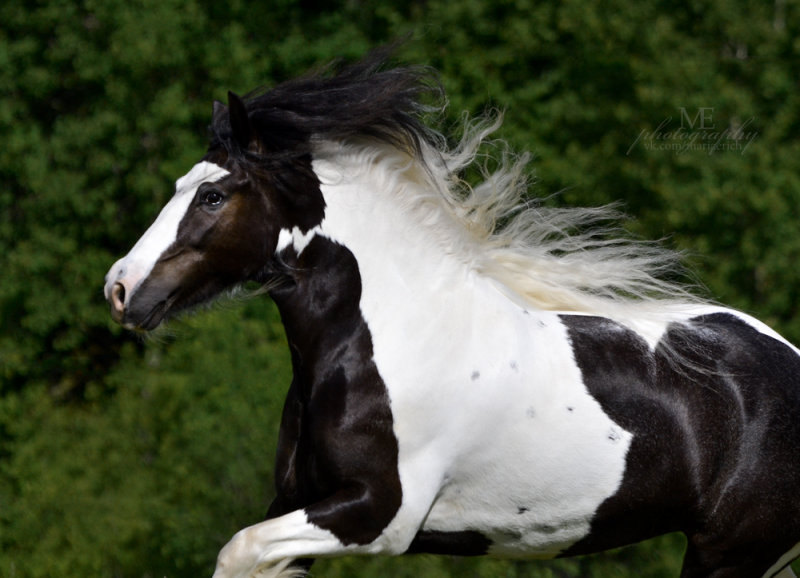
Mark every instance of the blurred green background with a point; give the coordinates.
(130, 457)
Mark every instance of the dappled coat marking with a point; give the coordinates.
(531, 390)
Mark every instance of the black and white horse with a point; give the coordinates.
(463, 387)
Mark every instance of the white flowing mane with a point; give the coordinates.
(558, 259)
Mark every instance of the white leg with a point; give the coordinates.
(784, 561)
(264, 550)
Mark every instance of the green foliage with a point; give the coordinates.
(152, 480)
(139, 458)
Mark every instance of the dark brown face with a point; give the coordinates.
(219, 230)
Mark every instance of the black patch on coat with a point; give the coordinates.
(715, 417)
(337, 452)
(462, 543)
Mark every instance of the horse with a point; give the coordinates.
(474, 372)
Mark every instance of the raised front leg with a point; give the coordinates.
(267, 549)
(338, 485)
(338, 461)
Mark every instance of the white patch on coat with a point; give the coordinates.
(134, 268)
(295, 238)
(464, 366)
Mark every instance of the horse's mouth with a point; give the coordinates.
(152, 320)
(153, 317)
(180, 300)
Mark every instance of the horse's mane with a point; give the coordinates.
(556, 258)
(567, 259)
(360, 100)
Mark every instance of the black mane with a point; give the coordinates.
(360, 100)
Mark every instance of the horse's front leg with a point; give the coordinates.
(338, 481)
(267, 549)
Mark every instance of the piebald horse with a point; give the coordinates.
(473, 373)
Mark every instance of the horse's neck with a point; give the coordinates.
(413, 259)
(401, 241)
(371, 274)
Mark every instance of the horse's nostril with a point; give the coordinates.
(117, 301)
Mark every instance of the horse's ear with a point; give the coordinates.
(219, 110)
(241, 128)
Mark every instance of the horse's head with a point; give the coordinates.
(221, 228)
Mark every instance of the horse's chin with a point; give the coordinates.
(154, 304)
(151, 309)
(144, 322)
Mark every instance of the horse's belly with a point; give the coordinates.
(523, 535)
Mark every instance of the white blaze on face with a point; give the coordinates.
(132, 269)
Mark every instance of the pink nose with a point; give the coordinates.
(117, 301)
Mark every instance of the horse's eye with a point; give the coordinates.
(212, 197)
